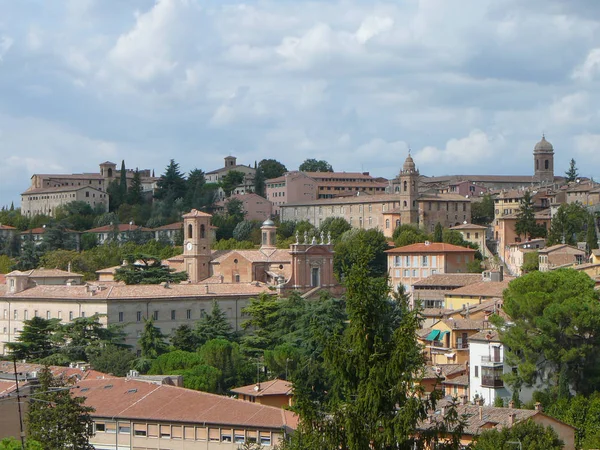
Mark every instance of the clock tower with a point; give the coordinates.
(196, 245)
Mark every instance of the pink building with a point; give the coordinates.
(255, 207)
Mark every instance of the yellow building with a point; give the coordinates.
(447, 341)
(474, 234)
(475, 294)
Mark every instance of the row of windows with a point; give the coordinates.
(47, 197)
(414, 273)
(173, 314)
(36, 314)
(187, 432)
(439, 206)
(415, 261)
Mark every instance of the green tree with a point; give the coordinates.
(123, 182)
(531, 262)
(57, 236)
(334, 226)
(214, 326)
(77, 215)
(271, 168)
(262, 312)
(259, 182)
(355, 244)
(57, 419)
(35, 341)
(482, 211)
(85, 337)
(409, 234)
(152, 341)
(230, 181)
(568, 224)
(184, 338)
(113, 359)
(12, 444)
(526, 224)
(226, 356)
(135, 193)
(115, 198)
(30, 254)
(591, 237)
(144, 269)
(529, 435)
(6, 264)
(172, 184)
(372, 401)
(312, 165)
(556, 319)
(438, 233)
(572, 173)
(243, 230)
(195, 186)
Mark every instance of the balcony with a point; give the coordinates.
(491, 361)
(491, 381)
(462, 345)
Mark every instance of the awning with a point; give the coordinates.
(442, 334)
(432, 336)
(449, 355)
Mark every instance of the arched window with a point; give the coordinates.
(387, 223)
(202, 232)
(405, 204)
(537, 164)
(546, 164)
(190, 231)
(109, 172)
(397, 188)
(397, 223)
(405, 186)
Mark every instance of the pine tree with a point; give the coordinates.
(30, 254)
(152, 341)
(572, 174)
(35, 340)
(195, 189)
(526, 225)
(171, 184)
(135, 192)
(123, 182)
(214, 326)
(591, 236)
(57, 419)
(438, 233)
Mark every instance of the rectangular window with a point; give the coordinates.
(468, 235)
(188, 433)
(414, 273)
(111, 427)
(124, 429)
(48, 315)
(100, 427)
(415, 262)
(172, 314)
(165, 431)
(176, 432)
(138, 316)
(265, 438)
(226, 435)
(188, 314)
(16, 314)
(252, 436)
(155, 315)
(201, 434)
(406, 273)
(425, 261)
(139, 429)
(407, 261)
(433, 261)
(25, 315)
(476, 235)
(153, 431)
(82, 313)
(476, 371)
(121, 316)
(239, 437)
(214, 435)
(398, 261)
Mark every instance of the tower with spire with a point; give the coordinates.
(543, 160)
(408, 190)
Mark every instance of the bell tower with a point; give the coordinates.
(409, 191)
(196, 245)
(543, 160)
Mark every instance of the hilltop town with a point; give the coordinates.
(159, 298)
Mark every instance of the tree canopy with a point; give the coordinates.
(230, 181)
(312, 165)
(528, 434)
(356, 244)
(572, 173)
(145, 269)
(271, 168)
(570, 225)
(526, 224)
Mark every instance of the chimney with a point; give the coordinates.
(511, 419)
(511, 404)
(538, 407)
(480, 412)
(206, 286)
(464, 399)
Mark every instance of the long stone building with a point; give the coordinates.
(387, 211)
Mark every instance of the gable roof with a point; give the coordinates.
(272, 387)
(449, 280)
(560, 247)
(433, 247)
(481, 289)
(50, 190)
(468, 226)
(121, 228)
(141, 400)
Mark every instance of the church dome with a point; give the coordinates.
(543, 146)
(409, 164)
(268, 223)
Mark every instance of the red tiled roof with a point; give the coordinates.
(195, 213)
(272, 387)
(122, 227)
(171, 226)
(6, 227)
(140, 400)
(433, 247)
(49, 190)
(482, 289)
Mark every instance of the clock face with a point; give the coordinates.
(189, 246)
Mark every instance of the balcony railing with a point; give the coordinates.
(462, 345)
(491, 359)
(487, 381)
(440, 344)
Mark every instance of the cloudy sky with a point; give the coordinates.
(469, 85)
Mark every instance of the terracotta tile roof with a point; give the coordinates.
(482, 178)
(469, 226)
(272, 387)
(71, 176)
(42, 230)
(435, 312)
(433, 247)
(461, 380)
(195, 213)
(375, 198)
(450, 280)
(481, 289)
(539, 215)
(99, 291)
(2, 278)
(444, 369)
(171, 226)
(463, 324)
(6, 227)
(485, 336)
(140, 400)
(6, 367)
(277, 255)
(494, 304)
(122, 227)
(50, 190)
(45, 273)
(560, 247)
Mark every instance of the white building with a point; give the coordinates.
(487, 367)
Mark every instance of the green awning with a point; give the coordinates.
(432, 335)
(442, 334)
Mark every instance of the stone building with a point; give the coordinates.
(247, 186)
(254, 206)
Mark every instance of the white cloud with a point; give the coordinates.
(466, 152)
(373, 26)
(590, 67)
(572, 108)
(5, 45)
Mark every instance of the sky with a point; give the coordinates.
(468, 85)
